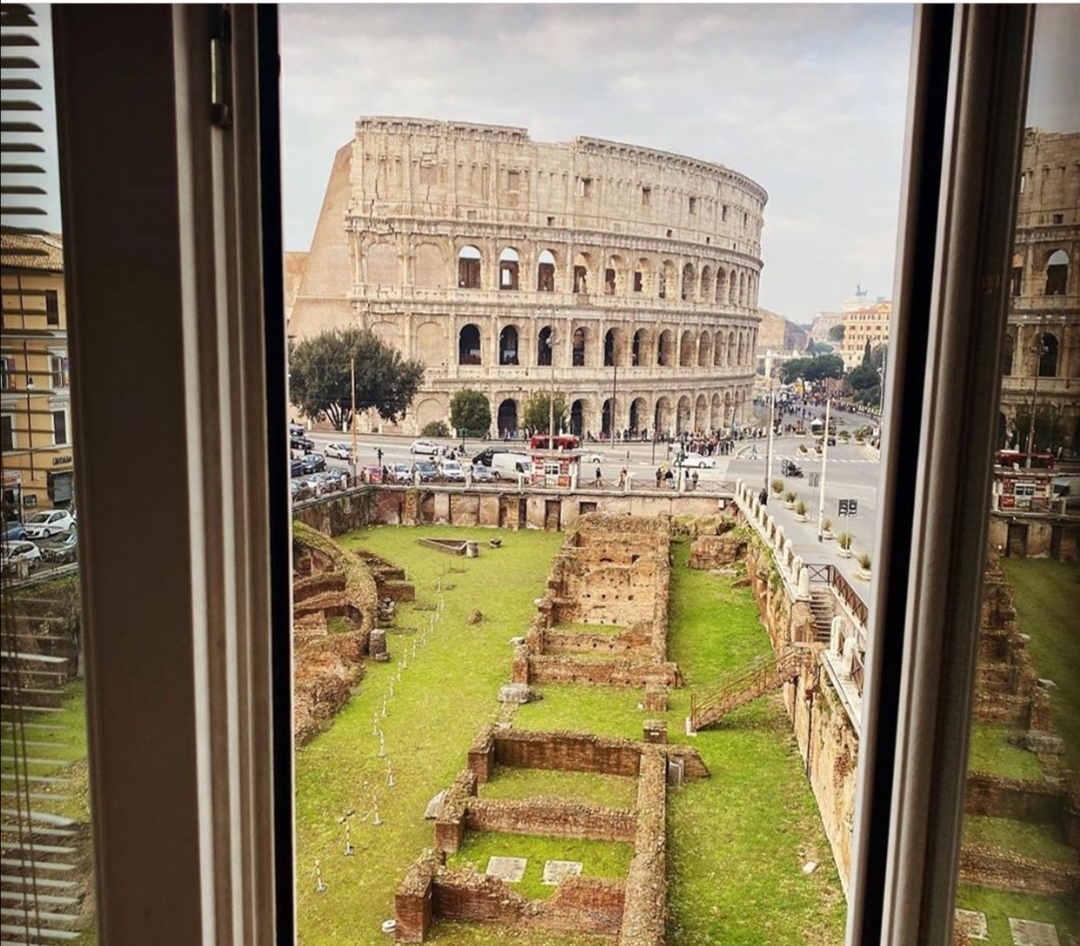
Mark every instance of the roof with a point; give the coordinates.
(43, 252)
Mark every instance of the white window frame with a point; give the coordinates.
(189, 731)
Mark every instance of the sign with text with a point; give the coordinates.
(848, 507)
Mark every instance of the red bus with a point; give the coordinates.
(1014, 458)
(558, 442)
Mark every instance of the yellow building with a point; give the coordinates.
(35, 406)
(868, 322)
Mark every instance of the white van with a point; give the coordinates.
(509, 465)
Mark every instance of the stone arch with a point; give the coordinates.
(429, 410)
(682, 415)
(721, 285)
(639, 418)
(607, 420)
(728, 415)
(577, 417)
(643, 276)
(469, 271)
(430, 344)
(509, 263)
(508, 345)
(579, 346)
(733, 287)
(662, 415)
(383, 265)
(716, 412)
(1016, 275)
(741, 357)
(688, 283)
(583, 267)
(701, 413)
(706, 283)
(1057, 273)
(613, 347)
(506, 417)
(1010, 354)
(545, 271)
(469, 346)
(615, 276)
(545, 347)
(665, 348)
(720, 349)
(742, 288)
(704, 358)
(638, 348)
(1048, 350)
(687, 349)
(429, 267)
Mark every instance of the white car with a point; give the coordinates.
(425, 448)
(697, 460)
(451, 470)
(20, 551)
(592, 456)
(48, 522)
(342, 451)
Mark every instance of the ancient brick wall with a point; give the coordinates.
(620, 673)
(1032, 800)
(340, 512)
(718, 551)
(1004, 870)
(546, 817)
(646, 882)
(567, 752)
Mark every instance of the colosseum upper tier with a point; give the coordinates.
(623, 277)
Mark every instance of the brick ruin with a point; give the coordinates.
(613, 572)
(330, 583)
(632, 910)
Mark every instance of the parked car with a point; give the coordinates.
(424, 448)
(60, 550)
(303, 444)
(428, 471)
(338, 478)
(296, 467)
(48, 522)
(790, 468)
(451, 470)
(484, 457)
(510, 465)
(592, 456)
(697, 460)
(400, 473)
(296, 430)
(340, 451)
(313, 462)
(14, 530)
(481, 474)
(19, 551)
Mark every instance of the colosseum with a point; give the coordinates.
(624, 278)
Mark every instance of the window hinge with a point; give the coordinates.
(220, 73)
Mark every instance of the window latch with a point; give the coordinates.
(220, 73)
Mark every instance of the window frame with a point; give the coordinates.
(194, 718)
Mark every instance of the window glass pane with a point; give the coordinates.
(47, 881)
(729, 421)
(1021, 848)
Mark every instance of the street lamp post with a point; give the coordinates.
(1039, 349)
(824, 460)
(772, 426)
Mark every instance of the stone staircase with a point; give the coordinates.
(821, 604)
(757, 678)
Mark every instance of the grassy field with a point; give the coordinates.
(1047, 605)
(613, 791)
(1019, 837)
(991, 753)
(999, 906)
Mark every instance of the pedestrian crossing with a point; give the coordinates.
(809, 462)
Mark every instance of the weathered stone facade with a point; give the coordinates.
(512, 266)
(1042, 347)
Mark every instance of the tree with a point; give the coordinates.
(866, 355)
(470, 412)
(818, 348)
(836, 333)
(320, 371)
(812, 369)
(536, 412)
(863, 377)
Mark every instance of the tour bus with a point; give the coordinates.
(1018, 459)
(558, 442)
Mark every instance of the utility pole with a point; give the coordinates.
(824, 460)
(772, 425)
(352, 391)
(551, 399)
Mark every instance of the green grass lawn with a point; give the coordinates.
(1018, 837)
(590, 788)
(598, 858)
(990, 752)
(443, 698)
(999, 906)
(1047, 603)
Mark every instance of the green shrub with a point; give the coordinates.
(435, 428)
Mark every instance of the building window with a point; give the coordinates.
(513, 180)
(551, 221)
(59, 368)
(646, 197)
(693, 206)
(723, 212)
(1023, 182)
(7, 432)
(1057, 273)
(1059, 218)
(7, 373)
(584, 187)
(52, 307)
(60, 430)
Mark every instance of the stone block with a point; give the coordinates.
(654, 730)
